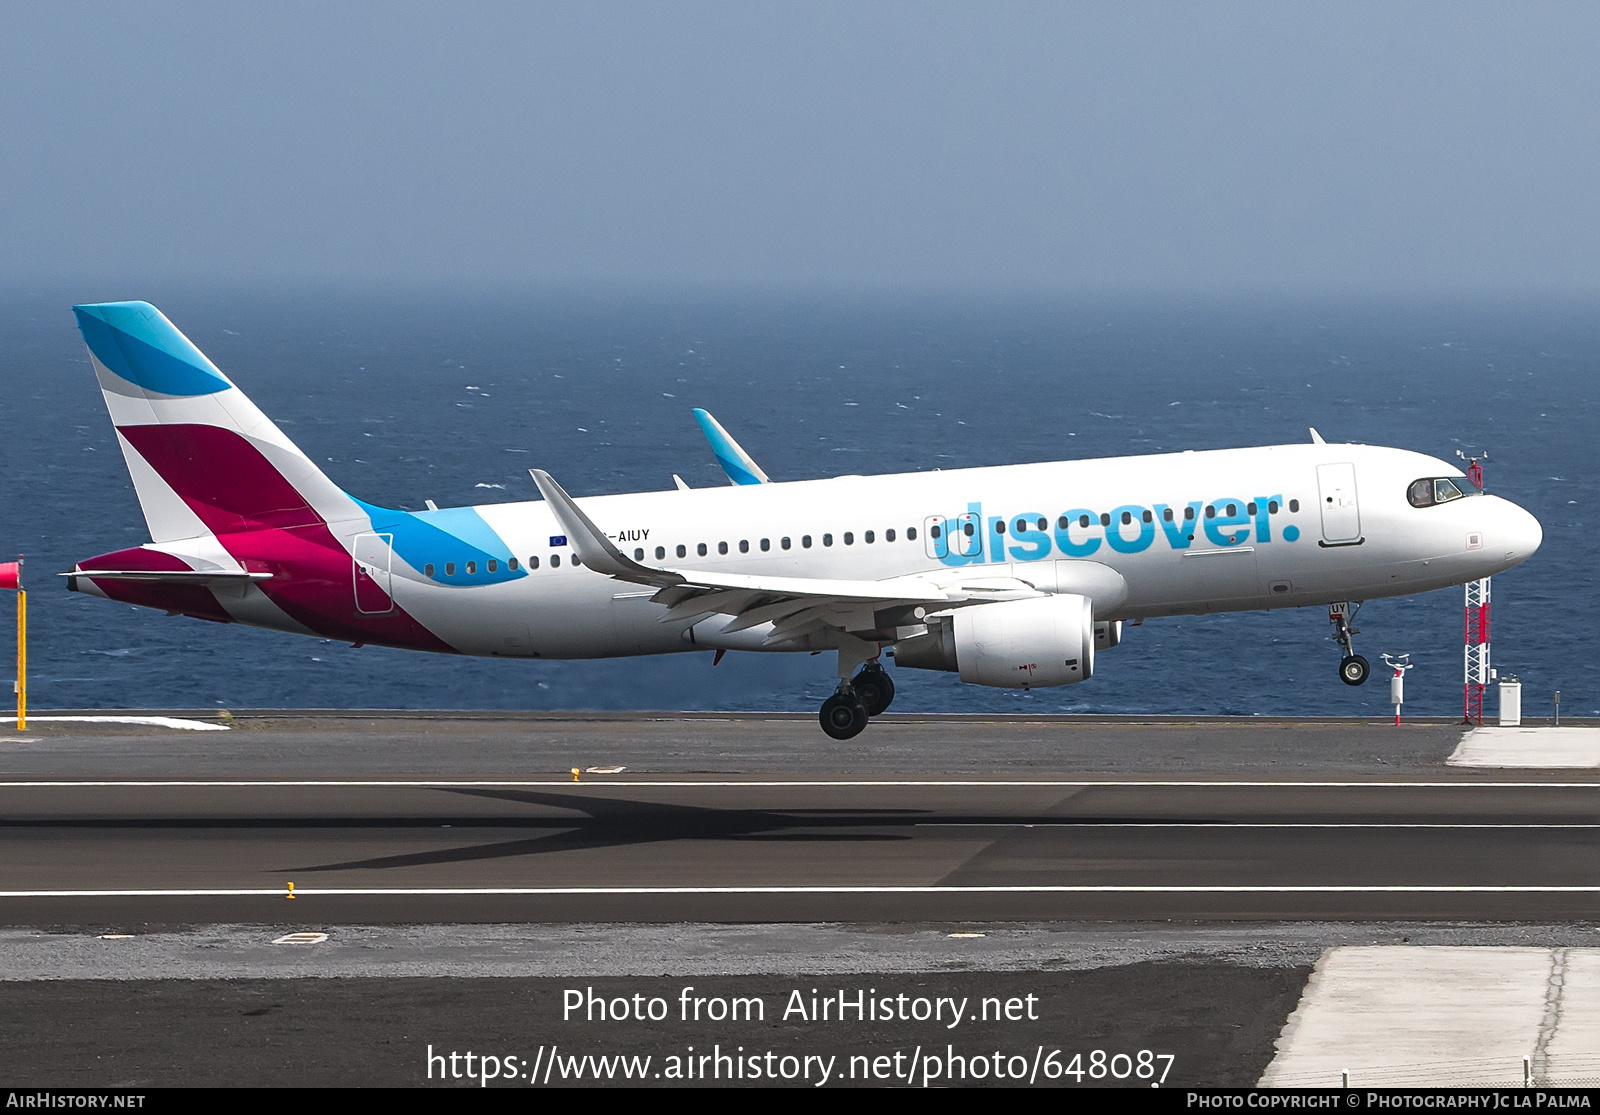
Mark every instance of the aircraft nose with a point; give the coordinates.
(1520, 533)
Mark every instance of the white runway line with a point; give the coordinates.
(1397, 1016)
(280, 892)
(884, 783)
(1528, 747)
(1513, 825)
(149, 721)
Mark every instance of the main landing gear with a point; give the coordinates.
(1353, 669)
(858, 698)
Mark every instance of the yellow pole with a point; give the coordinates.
(22, 661)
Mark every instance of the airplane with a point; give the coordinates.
(1012, 576)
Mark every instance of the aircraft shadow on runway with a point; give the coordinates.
(616, 823)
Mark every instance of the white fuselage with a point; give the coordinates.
(1309, 524)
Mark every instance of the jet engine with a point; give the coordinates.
(1012, 644)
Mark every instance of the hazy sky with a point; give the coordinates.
(1172, 146)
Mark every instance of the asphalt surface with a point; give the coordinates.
(1159, 884)
(1215, 1022)
(797, 849)
(313, 744)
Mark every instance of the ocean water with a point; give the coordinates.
(452, 396)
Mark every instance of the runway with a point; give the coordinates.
(803, 849)
(1159, 884)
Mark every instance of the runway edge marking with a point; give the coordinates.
(367, 892)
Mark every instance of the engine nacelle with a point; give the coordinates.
(1012, 644)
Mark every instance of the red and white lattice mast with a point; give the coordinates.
(1477, 672)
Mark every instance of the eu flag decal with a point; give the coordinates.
(558, 540)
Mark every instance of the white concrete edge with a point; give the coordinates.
(1286, 1038)
(148, 721)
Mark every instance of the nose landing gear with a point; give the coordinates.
(1353, 669)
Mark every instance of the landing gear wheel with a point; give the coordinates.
(875, 688)
(843, 715)
(1354, 670)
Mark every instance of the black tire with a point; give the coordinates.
(843, 716)
(1354, 670)
(875, 688)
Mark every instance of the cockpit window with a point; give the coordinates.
(1439, 489)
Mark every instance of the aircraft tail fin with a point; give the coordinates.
(203, 457)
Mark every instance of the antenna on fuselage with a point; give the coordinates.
(1316, 438)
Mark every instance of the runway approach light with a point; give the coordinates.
(1399, 663)
(11, 578)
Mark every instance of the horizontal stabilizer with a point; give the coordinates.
(170, 576)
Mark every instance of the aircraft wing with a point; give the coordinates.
(794, 605)
(739, 466)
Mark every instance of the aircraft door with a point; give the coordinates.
(1341, 516)
(371, 571)
(936, 536)
(968, 541)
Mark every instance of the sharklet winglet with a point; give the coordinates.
(738, 464)
(593, 547)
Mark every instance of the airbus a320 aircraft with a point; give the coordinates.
(1011, 576)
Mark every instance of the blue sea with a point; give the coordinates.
(452, 395)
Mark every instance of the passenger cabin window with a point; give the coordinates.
(493, 565)
(911, 534)
(701, 549)
(744, 545)
(849, 538)
(638, 554)
(722, 547)
(827, 539)
(805, 541)
(868, 537)
(888, 535)
(555, 561)
(682, 552)
(1272, 507)
(533, 562)
(449, 569)
(784, 542)
(1294, 505)
(472, 567)
(933, 531)
(575, 560)
(427, 570)
(766, 544)
(512, 565)
(661, 552)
